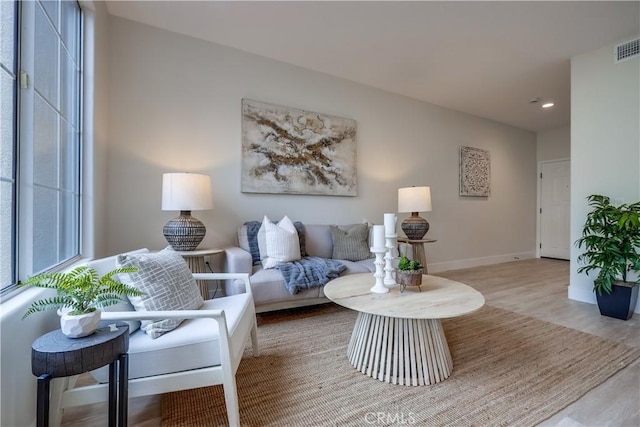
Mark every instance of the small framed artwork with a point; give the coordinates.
(291, 151)
(475, 172)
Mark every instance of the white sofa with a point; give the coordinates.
(267, 286)
(203, 350)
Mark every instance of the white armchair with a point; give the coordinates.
(204, 350)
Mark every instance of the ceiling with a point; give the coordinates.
(483, 58)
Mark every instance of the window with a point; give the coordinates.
(40, 155)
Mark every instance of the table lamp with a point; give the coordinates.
(185, 192)
(414, 200)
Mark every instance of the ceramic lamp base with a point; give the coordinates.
(415, 227)
(185, 232)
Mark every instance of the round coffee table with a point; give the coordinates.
(398, 337)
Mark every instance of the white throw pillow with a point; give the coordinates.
(167, 283)
(281, 241)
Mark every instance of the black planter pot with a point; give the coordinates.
(620, 303)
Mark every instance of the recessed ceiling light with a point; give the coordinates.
(548, 105)
(534, 100)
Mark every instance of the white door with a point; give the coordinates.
(555, 239)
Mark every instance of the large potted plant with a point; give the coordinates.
(80, 294)
(611, 239)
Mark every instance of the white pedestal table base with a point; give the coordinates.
(400, 351)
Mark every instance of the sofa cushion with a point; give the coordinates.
(268, 286)
(192, 345)
(167, 283)
(351, 244)
(319, 241)
(281, 242)
(363, 266)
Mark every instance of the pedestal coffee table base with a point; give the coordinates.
(400, 351)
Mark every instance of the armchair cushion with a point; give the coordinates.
(167, 283)
(193, 344)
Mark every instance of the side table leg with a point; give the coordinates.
(113, 393)
(42, 409)
(123, 389)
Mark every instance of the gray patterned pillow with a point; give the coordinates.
(167, 283)
(352, 244)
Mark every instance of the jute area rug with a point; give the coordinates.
(509, 370)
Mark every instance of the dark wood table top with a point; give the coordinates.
(60, 356)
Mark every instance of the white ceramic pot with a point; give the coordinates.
(81, 325)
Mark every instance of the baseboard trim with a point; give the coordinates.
(437, 267)
(581, 294)
(578, 293)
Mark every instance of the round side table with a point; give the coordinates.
(196, 262)
(54, 355)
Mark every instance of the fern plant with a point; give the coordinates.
(82, 290)
(405, 264)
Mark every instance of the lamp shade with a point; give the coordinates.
(414, 199)
(186, 192)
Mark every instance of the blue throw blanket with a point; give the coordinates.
(309, 272)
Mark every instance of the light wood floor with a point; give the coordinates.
(536, 288)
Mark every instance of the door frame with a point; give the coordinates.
(539, 199)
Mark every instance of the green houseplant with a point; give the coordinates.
(80, 294)
(409, 273)
(611, 242)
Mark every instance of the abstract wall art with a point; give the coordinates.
(475, 172)
(292, 151)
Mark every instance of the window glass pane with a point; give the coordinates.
(45, 228)
(7, 34)
(51, 9)
(70, 77)
(69, 171)
(45, 144)
(48, 117)
(69, 226)
(45, 76)
(7, 106)
(70, 31)
(6, 234)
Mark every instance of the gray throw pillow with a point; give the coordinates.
(167, 283)
(352, 244)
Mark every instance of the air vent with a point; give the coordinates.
(627, 50)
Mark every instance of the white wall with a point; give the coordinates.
(554, 144)
(96, 133)
(605, 142)
(18, 385)
(175, 106)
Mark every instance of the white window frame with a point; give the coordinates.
(24, 245)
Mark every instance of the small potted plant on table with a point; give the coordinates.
(611, 238)
(80, 294)
(409, 273)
